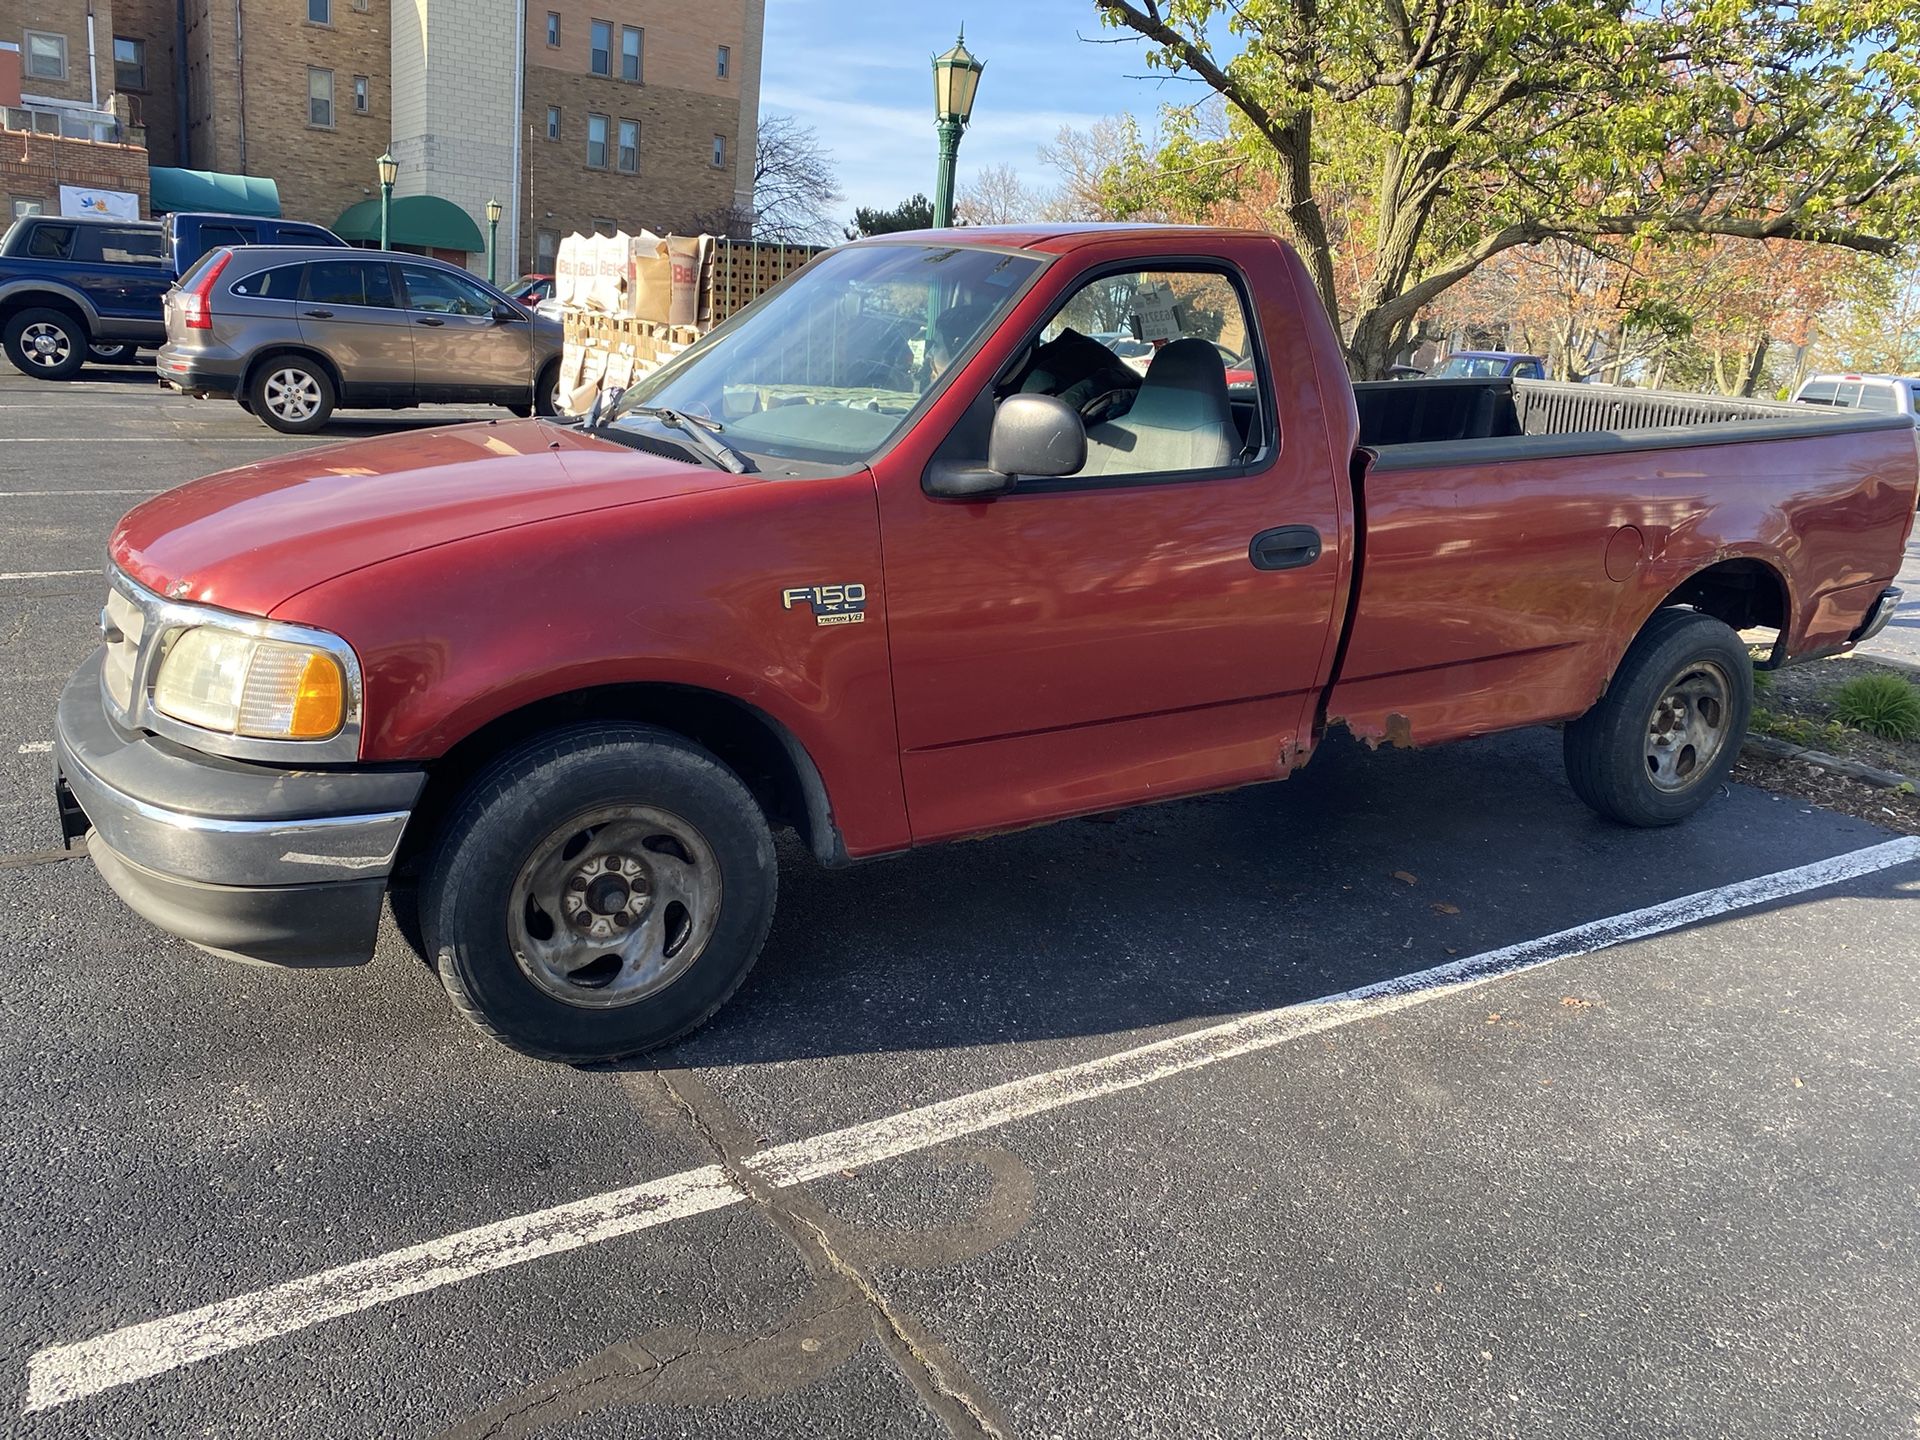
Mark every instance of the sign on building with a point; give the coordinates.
(84, 200)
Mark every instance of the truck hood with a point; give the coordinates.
(250, 539)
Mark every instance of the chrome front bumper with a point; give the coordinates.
(248, 860)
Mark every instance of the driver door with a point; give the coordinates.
(1082, 643)
(461, 353)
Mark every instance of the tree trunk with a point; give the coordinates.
(1756, 363)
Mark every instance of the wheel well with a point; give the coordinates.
(253, 366)
(770, 762)
(1743, 593)
(13, 304)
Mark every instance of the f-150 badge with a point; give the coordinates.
(831, 604)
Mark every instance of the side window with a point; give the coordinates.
(113, 246)
(51, 242)
(300, 235)
(444, 293)
(280, 283)
(1528, 370)
(1817, 392)
(1161, 366)
(1848, 395)
(349, 282)
(227, 233)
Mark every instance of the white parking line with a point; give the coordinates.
(36, 747)
(46, 574)
(64, 1373)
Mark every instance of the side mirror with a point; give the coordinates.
(1036, 435)
(507, 315)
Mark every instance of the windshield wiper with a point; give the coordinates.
(704, 433)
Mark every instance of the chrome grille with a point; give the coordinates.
(123, 624)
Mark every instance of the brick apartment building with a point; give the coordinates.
(598, 113)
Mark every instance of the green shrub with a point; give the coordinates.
(1882, 704)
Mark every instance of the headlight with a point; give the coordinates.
(240, 684)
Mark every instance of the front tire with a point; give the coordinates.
(1666, 733)
(110, 354)
(46, 344)
(598, 893)
(292, 394)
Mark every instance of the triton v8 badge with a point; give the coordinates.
(831, 604)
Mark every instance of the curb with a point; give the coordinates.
(1892, 662)
(1765, 746)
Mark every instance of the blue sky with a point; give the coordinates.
(857, 71)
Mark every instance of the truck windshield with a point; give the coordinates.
(1471, 367)
(828, 368)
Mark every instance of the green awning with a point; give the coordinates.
(423, 220)
(178, 191)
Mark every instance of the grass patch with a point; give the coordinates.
(1884, 705)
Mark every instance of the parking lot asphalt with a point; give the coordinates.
(1096, 1146)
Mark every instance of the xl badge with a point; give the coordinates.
(831, 604)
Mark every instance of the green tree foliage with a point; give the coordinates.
(1404, 143)
(913, 213)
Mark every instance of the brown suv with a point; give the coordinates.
(293, 332)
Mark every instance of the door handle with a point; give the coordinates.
(428, 320)
(1286, 547)
(318, 314)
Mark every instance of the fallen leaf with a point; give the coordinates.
(1796, 1083)
(1441, 907)
(1494, 1018)
(1574, 1002)
(1406, 877)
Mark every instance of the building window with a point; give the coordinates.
(629, 160)
(129, 63)
(721, 60)
(597, 141)
(23, 207)
(719, 152)
(600, 61)
(553, 29)
(553, 122)
(359, 94)
(631, 37)
(604, 227)
(546, 245)
(320, 12)
(46, 56)
(320, 98)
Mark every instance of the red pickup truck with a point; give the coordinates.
(902, 554)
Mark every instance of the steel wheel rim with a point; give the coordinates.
(1689, 726)
(46, 344)
(613, 906)
(293, 394)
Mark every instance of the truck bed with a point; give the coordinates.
(1513, 532)
(1420, 424)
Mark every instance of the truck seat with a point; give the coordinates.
(1180, 420)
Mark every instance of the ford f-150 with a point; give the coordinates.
(902, 554)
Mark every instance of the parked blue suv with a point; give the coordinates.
(74, 289)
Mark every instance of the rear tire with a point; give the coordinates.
(46, 344)
(1666, 733)
(598, 892)
(110, 354)
(291, 393)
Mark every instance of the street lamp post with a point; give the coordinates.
(389, 172)
(956, 77)
(493, 237)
